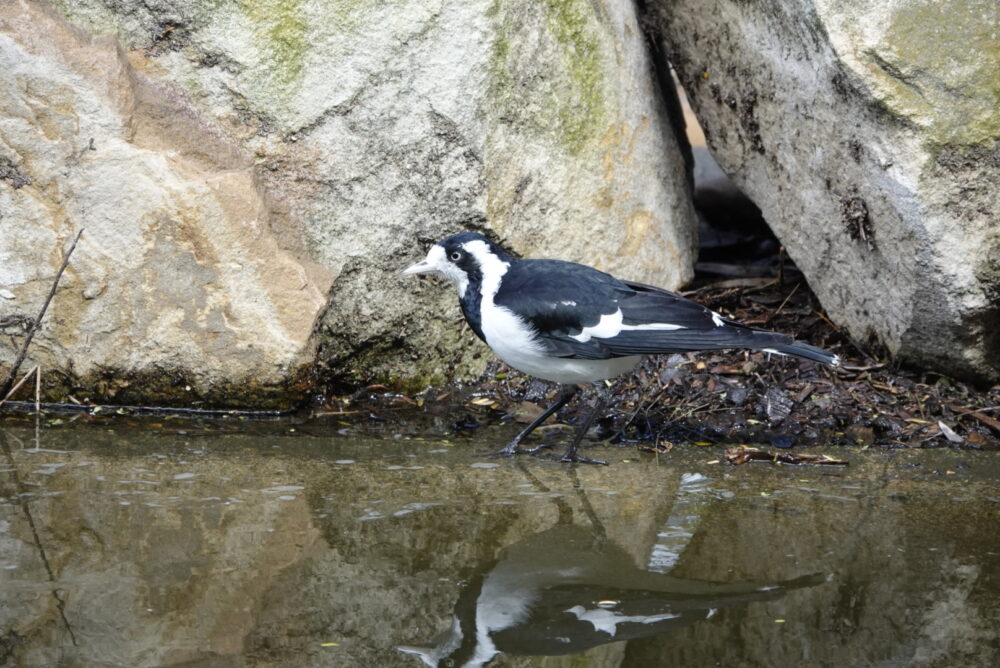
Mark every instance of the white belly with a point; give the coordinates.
(571, 371)
(514, 342)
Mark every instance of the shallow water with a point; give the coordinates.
(148, 547)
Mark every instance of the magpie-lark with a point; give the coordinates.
(565, 591)
(569, 323)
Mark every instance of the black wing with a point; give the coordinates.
(703, 329)
(561, 299)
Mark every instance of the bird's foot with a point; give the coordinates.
(538, 448)
(577, 458)
(508, 450)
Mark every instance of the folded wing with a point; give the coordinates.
(580, 312)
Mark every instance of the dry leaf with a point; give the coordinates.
(949, 433)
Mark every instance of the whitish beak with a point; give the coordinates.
(418, 268)
(426, 654)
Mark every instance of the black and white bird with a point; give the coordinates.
(571, 324)
(562, 591)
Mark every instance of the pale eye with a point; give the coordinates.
(455, 256)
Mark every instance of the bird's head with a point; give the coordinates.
(464, 259)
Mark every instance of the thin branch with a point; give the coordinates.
(24, 500)
(38, 321)
(778, 310)
(18, 386)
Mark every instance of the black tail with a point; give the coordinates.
(808, 352)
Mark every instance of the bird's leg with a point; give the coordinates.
(571, 455)
(566, 392)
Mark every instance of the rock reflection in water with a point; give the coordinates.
(569, 589)
(146, 548)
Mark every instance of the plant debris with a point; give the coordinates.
(734, 397)
(744, 454)
(725, 398)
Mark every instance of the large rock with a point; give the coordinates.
(377, 128)
(869, 135)
(181, 286)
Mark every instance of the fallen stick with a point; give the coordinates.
(113, 409)
(743, 454)
(38, 321)
(18, 386)
(985, 419)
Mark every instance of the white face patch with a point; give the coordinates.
(493, 268)
(610, 326)
(436, 260)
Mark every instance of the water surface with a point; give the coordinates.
(125, 546)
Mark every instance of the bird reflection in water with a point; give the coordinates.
(569, 588)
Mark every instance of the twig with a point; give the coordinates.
(850, 340)
(988, 409)
(862, 369)
(778, 310)
(756, 283)
(38, 321)
(648, 405)
(162, 410)
(18, 386)
(38, 389)
(23, 500)
(985, 419)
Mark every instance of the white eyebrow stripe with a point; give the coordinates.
(610, 326)
(493, 268)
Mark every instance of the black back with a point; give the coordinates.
(559, 299)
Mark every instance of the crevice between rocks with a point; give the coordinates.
(729, 221)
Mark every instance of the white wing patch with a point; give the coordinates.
(717, 319)
(611, 325)
(608, 326)
(608, 620)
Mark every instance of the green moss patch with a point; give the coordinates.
(940, 67)
(560, 90)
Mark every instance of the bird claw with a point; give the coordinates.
(508, 450)
(511, 449)
(580, 459)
